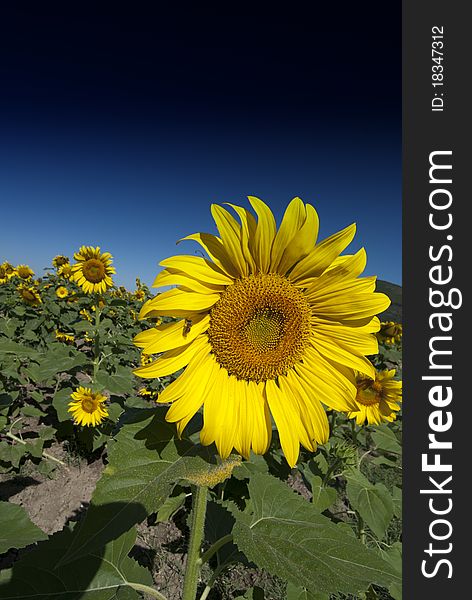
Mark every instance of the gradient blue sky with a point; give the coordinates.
(121, 130)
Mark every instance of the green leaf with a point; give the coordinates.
(296, 593)
(397, 501)
(12, 453)
(60, 402)
(323, 496)
(121, 382)
(16, 530)
(10, 347)
(372, 501)
(385, 439)
(255, 593)
(170, 506)
(103, 575)
(58, 359)
(144, 462)
(284, 534)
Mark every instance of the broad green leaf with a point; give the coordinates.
(385, 439)
(16, 530)
(255, 593)
(144, 462)
(106, 574)
(12, 453)
(397, 501)
(372, 501)
(10, 347)
(323, 496)
(170, 506)
(120, 382)
(287, 536)
(61, 404)
(296, 593)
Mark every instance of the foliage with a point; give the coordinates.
(329, 527)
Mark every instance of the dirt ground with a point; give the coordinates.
(52, 501)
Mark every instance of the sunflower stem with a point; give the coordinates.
(215, 547)
(192, 570)
(96, 341)
(360, 528)
(46, 455)
(139, 587)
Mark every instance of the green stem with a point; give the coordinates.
(139, 587)
(360, 528)
(96, 341)
(12, 436)
(215, 547)
(214, 577)
(192, 569)
(353, 431)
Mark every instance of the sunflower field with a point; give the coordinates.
(237, 435)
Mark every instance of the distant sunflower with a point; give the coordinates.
(93, 269)
(60, 261)
(6, 272)
(64, 337)
(377, 399)
(24, 272)
(270, 325)
(29, 294)
(65, 271)
(390, 332)
(87, 407)
(62, 292)
(140, 295)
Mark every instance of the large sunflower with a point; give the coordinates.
(377, 399)
(93, 269)
(273, 325)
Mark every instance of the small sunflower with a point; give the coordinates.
(144, 392)
(24, 272)
(390, 333)
(377, 399)
(140, 295)
(29, 294)
(62, 292)
(272, 324)
(65, 271)
(60, 261)
(64, 337)
(86, 315)
(146, 359)
(87, 407)
(6, 272)
(93, 269)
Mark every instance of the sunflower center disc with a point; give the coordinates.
(88, 405)
(260, 327)
(93, 270)
(369, 392)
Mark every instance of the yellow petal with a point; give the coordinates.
(312, 412)
(248, 230)
(174, 335)
(302, 243)
(178, 303)
(322, 256)
(262, 424)
(334, 351)
(230, 232)
(198, 268)
(287, 420)
(173, 360)
(265, 233)
(220, 414)
(192, 389)
(293, 219)
(213, 246)
(168, 277)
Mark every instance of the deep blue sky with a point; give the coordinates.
(120, 129)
